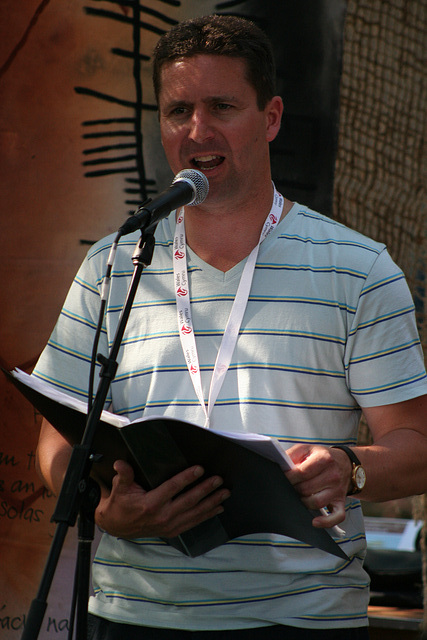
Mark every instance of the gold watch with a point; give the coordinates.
(358, 474)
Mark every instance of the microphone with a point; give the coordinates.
(189, 186)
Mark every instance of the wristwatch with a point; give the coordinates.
(358, 474)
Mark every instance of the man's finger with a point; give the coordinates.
(125, 475)
(331, 516)
(172, 487)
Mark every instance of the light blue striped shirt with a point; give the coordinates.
(329, 328)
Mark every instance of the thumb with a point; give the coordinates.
(331, 516)
(124, 475)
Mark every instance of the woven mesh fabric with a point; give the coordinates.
(380, 175)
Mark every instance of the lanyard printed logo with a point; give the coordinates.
(183, 305)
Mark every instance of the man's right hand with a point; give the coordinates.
(128, 511)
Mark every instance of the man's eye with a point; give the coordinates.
(223, 106)
(178, 111)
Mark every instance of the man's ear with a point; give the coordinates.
(273, 114)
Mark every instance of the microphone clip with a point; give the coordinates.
(139, 219)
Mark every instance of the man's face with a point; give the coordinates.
(210, 121)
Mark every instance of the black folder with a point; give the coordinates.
(262, 499)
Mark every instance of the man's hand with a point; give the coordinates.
(128, 511)
(321, 476)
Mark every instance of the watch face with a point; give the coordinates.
(360, 477)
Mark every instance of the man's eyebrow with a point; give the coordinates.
(222, 98)
(206, 100)
(176, 103)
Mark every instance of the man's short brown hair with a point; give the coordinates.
(222, 36)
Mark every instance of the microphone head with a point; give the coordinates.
(197, 181)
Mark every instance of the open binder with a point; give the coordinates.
(251, 465)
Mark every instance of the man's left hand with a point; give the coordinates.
(322, 477)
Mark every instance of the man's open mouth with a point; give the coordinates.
(205, 163)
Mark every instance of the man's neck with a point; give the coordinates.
(223, 239)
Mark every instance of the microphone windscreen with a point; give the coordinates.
(198, 182)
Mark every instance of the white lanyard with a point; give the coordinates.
(183, 304)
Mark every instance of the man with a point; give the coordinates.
(327, 329)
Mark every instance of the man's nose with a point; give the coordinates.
(201, 126)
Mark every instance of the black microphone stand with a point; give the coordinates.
(79, 495)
